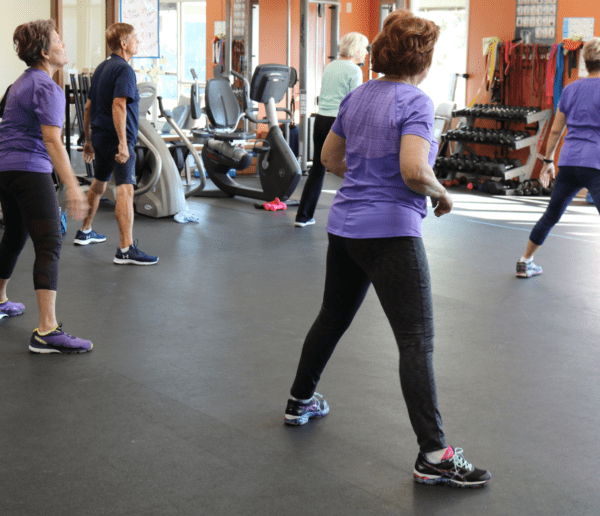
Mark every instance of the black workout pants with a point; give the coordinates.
(316, 174)
(398, 269)
(29, 206)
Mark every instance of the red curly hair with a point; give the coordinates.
(404, 47)
(31, 38)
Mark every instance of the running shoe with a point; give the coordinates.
(134, 256)
(526, 270)
(299, 224)
(92, 237)
(454, 470)
(57, 341)
(297, 413)
(10, 309)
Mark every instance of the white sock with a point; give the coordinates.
(526, 260)
(86, 231)
(125, 250)
(435, 457)
(304, 402)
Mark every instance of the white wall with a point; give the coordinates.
(13, 14)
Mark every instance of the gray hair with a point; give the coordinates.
(352, 43)
(591, 54)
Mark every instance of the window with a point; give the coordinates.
(450, 55)
(182, 39)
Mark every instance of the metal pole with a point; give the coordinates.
(335, 31)
(228, 37)
(303, 129)
(288, 62)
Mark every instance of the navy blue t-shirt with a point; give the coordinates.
(114, 78)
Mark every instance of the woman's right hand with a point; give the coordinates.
(442, 205)
(77, 204)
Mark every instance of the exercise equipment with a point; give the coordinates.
(278, 169)
(159, 192)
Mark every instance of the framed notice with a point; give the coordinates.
(143, 15)
(579, 28)
(536, 21)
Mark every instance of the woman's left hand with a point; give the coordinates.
(546, 174)
(77, 204)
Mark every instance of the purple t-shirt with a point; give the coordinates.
(374, 201)
(33, 100)
(580, 102)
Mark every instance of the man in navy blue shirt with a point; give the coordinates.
(111, 129)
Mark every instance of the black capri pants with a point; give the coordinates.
(29, 207)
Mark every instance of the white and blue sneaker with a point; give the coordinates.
(134, 256)
(92, 237)
(528, 269)
(297, 413)
(303, 224)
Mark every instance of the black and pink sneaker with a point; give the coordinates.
(454, 470)
(57, 341)
(10, 309)
(297, 413)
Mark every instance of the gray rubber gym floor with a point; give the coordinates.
(179, 408)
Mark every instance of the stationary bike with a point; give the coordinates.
(278, 168)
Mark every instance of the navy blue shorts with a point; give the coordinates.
(105, 150)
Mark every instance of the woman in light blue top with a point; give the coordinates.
(340, 77)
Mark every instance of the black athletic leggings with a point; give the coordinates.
(398, 269)
(29, 206)
(316, 174)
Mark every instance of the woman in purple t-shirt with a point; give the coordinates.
(382, 144)
(30, 147)
(579, 162)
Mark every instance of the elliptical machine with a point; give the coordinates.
(278, 168)
(159, 191)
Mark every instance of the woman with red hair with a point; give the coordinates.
(382, 145)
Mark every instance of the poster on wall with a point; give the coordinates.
(579, 28)
(143, 15)
(536, 21)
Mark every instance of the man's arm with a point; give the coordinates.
(119, 112)
(88, 150)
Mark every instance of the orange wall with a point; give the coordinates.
(498, 19)
(364, 18)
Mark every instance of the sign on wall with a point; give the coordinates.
(143, 15)
(536, 21)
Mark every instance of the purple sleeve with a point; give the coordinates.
(337, 126)
(49, 103)
(126, 85)
(417, 117)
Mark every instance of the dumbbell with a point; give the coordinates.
(520, 135)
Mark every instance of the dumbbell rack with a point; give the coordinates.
(512, 141)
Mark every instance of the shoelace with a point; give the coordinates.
(459, 461)
(59, 329)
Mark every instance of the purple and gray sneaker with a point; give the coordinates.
(57, 341)
(10, 309)
(297, 413)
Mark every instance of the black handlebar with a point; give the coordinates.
(249, 114)
(164, 113)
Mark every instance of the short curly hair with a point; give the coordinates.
(31, 38)
(116, 33)
(404, 47)
(591, 55)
